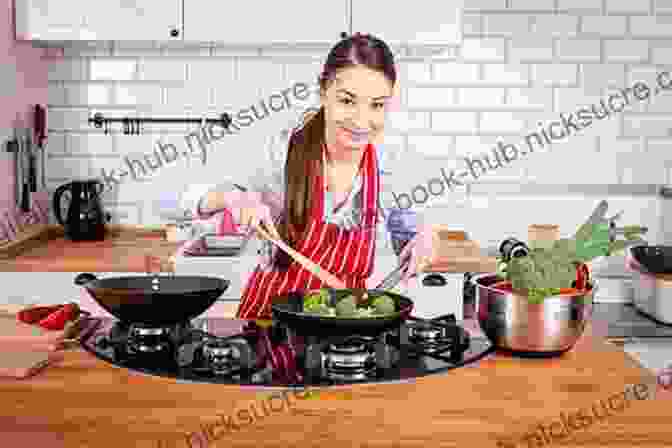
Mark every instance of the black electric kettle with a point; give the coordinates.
(84, 220)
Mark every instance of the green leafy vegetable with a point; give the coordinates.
(346, 307)
(384, 305)
(317, 302)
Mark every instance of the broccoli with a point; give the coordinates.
(542, 268)
(346, 307)
(384, 305)
(320, 309)
(315, 299)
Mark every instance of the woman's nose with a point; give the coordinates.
(362, 118)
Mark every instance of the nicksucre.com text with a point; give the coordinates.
(504, 153)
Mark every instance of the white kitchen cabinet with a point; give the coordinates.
(113, 20)
(261, 21)
(251, 22)
(421, 22)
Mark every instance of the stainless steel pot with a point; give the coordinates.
(512, 323)
(652, 292)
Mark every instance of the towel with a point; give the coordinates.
(15, 334)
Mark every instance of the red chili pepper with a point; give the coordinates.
(582, 275)
(35, 314)
(57, 320)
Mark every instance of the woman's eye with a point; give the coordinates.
(379, 105)
(346, 101)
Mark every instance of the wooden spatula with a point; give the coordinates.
(329, 279)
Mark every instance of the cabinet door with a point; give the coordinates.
(419, 22)
(49, 19)
(262, 21)
(118, 20)
(134, 20)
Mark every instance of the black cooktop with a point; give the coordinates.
(230, 351)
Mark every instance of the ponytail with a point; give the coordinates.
(304, 163)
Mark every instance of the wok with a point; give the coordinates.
(154, 300)
(655, 259)
(288, 309)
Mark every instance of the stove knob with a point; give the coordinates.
(186, 354)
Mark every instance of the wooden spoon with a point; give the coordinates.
(329, 279)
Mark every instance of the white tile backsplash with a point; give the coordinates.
(108, 69)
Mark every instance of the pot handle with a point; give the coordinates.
(84, 278)
(434, 280)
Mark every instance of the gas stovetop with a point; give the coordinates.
(230, 351)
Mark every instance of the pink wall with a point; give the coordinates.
(18, 95)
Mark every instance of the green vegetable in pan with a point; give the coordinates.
(346, 307)
(384, 305)
(317, 302)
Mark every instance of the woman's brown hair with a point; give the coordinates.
(304, 155)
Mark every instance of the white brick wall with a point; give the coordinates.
(580, 6)
(604, 25)
(628, 6)
(515, 69)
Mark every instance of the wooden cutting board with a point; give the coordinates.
(453, 251)
(23, 364)
(25, 349)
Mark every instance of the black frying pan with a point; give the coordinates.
(154, 300)
(289, 310)
(655, 259)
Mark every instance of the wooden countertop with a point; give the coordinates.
(83, 402)
(45, 249)
(123, 250)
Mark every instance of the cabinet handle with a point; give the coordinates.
(174, 32)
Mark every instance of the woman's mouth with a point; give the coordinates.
(357, 135)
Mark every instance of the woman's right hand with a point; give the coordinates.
(252, 216)
(251, 211)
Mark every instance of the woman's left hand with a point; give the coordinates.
(418, 253)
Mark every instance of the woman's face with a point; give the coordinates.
(354, 105)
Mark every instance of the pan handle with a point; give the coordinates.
(84, 278)
(434, 280)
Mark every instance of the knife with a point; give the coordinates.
(25, 161)
(13, 147)
(32, 165)
(40, 122)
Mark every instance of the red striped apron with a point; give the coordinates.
(348, 254)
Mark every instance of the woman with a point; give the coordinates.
(329, 210)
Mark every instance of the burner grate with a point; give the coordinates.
(222, 351)
(441, 337)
